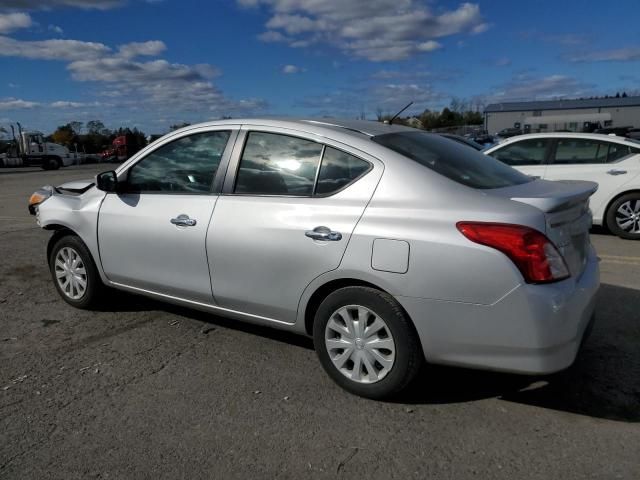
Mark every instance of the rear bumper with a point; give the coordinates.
(534, 329)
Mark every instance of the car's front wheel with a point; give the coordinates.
(74, 272)
(366, 342)
(623, 216)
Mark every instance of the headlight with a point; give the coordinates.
(38, 197)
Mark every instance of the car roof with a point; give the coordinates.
(588, 136)
(322, 126)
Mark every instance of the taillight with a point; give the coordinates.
(532, 252)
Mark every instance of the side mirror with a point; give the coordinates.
(107, 181)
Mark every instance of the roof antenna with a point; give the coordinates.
(390, 122)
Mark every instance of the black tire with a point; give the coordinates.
(408, 352)
(612, 214)
(94, 290)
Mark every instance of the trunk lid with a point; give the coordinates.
(566, 208)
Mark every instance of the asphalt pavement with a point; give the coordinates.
(147, 390)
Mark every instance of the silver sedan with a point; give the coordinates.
(390, 246)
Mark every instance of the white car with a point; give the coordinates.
(613, 162)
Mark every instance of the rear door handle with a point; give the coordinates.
(323, 233)
(183, 220)
(616, 172)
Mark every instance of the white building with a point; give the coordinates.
(573, 115)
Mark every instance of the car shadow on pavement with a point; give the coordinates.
(604, 381)
(125, 302)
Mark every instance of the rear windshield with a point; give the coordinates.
(453, 160)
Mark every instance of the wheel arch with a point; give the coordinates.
(59, 231)
(321, 292)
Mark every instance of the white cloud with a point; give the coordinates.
(149, 87)
(16, 104)
(151, 48)
(68, 104)
(627, 54)
(55, 49)
(377, 30)
(56, 29)
(51, 4)
(290, 69)
(528, 87)
(14, 21)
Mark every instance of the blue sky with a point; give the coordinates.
(152, 63)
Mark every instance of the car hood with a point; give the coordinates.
(77, 186)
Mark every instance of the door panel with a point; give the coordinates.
(140, 247)
(152, 234)
(260, 254)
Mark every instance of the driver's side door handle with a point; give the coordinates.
(616, 172)
(323, 233)
(183, 220)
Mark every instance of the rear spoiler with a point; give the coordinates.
(550, 196)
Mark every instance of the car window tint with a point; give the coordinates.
(453, 160)
(274, 164)
(186, 165)
(524, 152)
(572, 151)
(338, 169)
(617, 152)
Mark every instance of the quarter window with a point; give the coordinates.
(338, 170)
(186, 165)
(274, 164)
(525, 152)
(617, 151)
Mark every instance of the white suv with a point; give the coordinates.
(613, 162)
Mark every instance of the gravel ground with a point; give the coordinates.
(147, 390)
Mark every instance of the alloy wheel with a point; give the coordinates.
(628, 216)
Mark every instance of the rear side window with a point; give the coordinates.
(274, 164)
(338, 170)
(523, 153)
(452, 160)
(572, 151)
(186, 165)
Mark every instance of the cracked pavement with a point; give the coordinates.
(148, 390)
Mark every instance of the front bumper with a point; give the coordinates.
(534, 329)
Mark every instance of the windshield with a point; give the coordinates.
(455, 161)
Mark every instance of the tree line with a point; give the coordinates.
(459, 112)
(93, 137)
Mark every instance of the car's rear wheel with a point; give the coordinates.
(623, 216)
(366, 343)
(74, 273)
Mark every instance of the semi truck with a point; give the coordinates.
(29, 149)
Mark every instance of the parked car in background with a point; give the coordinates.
(463, 140)
(509, 132)
(633, 133)
(620, 131)
(613, 162)
(389, 245)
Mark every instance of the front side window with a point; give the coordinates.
(339, 169)
(522, 153)
(186, 165)
(274, 164)
(455, 161)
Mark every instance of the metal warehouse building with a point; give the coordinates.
(573, 115)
